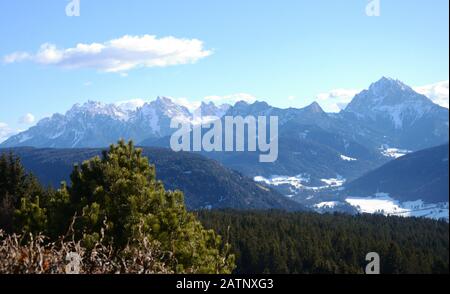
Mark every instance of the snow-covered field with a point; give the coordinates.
(296, 182)
(382, 203)
(332, 182)
(299, 182)
(347, 158)
(393, 152)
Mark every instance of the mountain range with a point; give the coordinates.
(318, 151)
(388, 113)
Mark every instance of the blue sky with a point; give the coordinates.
(286, 52)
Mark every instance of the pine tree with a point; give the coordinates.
(20, 197)
(121, 188)
(30, 216)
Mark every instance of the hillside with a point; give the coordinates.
(419, 175)
(205, 183)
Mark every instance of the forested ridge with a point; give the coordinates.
(119, 218)
(204, 182)
(299, 242)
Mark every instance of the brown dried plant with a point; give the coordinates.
(35, 254)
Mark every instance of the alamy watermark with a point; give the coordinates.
(373, 8)
(228, 134)
(73, 8)
(73, 267)
(373, 267)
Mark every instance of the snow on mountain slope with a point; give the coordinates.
(327, 204)
(393, 99)
(95, 124)
(290, 186)
(93, 108)
(310, 141)
(210, 109)
(398, 116)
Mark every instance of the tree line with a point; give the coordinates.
(299, 242)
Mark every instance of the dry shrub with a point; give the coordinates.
(35, 254)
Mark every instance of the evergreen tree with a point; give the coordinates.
(278, 242)
(20, 194)
(121, 188)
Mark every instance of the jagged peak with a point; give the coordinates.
(241, 103)
(91, 106)
(387, 83)
(210, 103)
(314, 107)
(163, 99)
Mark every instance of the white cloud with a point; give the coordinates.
(337, 99)
(232, 98)
(5, 132)
(438, 92)
(118, 55)
(27, 119)
(16, 57)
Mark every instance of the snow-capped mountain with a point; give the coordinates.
(91, 124)
(152, 120)
(211, 110)
(312, 114)
(93, 108)
(310, 142)
(328, 151)
(389, 113)
(95, 124)
(399, 114)
(393, 100)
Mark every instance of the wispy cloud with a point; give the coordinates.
(118, 55)
(337, 99)
(16, 57)
(438, 92)
(5, 132)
